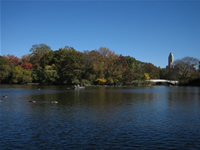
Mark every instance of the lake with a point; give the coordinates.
(157, 117)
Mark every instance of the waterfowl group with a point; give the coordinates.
(4, 96)
(31, 101)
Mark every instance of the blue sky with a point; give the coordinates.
(146, 30)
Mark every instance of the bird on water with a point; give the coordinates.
(5, 96)
(32, 101)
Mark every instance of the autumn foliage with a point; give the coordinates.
(69, 66)
(12, 59)
(27, 66)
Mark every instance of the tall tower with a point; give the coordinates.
(171, 61)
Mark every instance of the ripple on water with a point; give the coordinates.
(145, 118)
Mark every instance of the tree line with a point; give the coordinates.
(101, 66)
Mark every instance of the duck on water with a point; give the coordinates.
(32, 101)
(5, 96)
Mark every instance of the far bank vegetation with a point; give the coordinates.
(97, 67)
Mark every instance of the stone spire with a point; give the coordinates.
(171, 61)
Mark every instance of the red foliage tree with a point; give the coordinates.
(14, 60)
(27, 66)
(123, 61)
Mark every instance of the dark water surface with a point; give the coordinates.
(157, 117)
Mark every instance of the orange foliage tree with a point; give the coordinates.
(27, 66)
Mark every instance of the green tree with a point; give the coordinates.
(152, 70)
(20, 75)
(5, 69)
(92, 63)
(50, 74)
(27, 76)
(70, 64)
(48, 59)
(164, 73)
(137, 68)
(38, 75)
(37, 52)
(16, 75)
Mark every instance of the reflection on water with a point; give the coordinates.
(100, 118)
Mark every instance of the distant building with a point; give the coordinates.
(170, 61)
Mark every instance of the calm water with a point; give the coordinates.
(157, 117)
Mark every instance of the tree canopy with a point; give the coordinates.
(99, 66)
